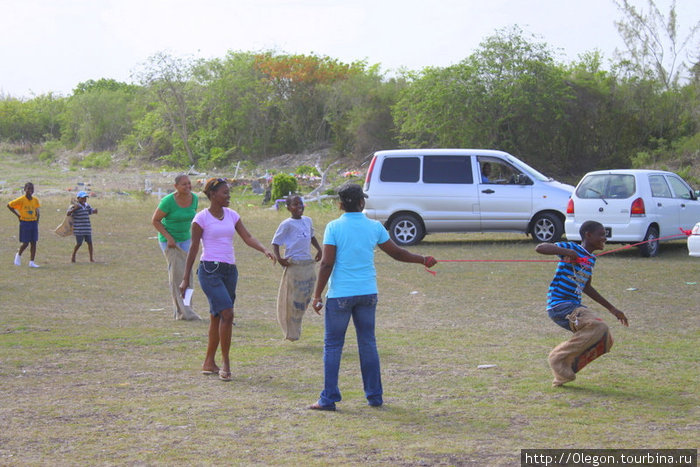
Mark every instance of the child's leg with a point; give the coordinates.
(32, 251)
(23, 246)
(78, 242)
(89, 244)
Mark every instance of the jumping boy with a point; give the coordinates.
(82, 228)
(591, 337)
(299, 277)
(26, 208)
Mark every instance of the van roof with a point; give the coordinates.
(441, 152)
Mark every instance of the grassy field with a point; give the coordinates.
(94, 370)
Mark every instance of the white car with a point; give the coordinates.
(634, 206)
(694, 241)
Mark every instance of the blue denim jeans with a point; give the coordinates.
(337, 317)
(184, 245)
(559, 312)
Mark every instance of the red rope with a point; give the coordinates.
(584, 260)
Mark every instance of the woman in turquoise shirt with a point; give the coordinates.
(348, 261)
(172, 219)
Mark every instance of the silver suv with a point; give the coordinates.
(414, 192)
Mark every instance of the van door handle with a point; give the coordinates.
(488, 191)
(659, 205)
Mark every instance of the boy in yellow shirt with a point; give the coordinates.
(26, 208)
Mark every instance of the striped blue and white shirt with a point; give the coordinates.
(570, 279)
(81, 220)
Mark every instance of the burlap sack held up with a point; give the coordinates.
(591, 339)
(176, 258)
(66, 227)
(296, 287)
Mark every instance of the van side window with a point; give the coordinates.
(400, 169)
(447, 169)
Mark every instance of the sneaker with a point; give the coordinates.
(18, 259)
(32, 264)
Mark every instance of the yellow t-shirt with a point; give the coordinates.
(27, 208)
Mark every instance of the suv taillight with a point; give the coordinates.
(637, 208)
(570, 207)
(369, 173)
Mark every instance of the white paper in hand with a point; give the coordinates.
(187, 300)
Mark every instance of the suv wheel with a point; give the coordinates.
(547, 228)
(651, 248)
(406, 230)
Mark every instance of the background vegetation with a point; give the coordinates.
(641, 109)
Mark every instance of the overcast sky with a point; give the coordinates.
(52, 45)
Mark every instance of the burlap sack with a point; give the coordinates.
(66, 227)
(176, 258)
(296, 287)
(591, 339)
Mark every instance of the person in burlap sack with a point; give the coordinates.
(296, 234)
(591, 337)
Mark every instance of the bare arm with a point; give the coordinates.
(157, 219)
(253, 242)
(282, 261)
(552, 249)
(403, 255)
(191, 255)
(324, 273)
(595, 295)
(13, 210)
(319, 252)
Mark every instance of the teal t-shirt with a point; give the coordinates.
(177, 220)
(355, 237)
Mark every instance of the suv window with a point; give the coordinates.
(447, 169)
(616, 186)
(400, 169)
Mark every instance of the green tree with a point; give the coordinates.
(170, 80)
(282, 185)
(509, 94)
(653, 48)
(98, 115)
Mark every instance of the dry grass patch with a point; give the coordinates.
(93, 370)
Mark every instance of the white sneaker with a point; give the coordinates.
(18, 259)
(32, 264)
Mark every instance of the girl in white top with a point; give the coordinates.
(215, 228)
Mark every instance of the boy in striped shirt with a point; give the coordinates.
(591, 337)
(82, 229)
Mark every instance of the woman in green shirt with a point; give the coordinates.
(172, 220)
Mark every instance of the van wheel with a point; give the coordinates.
(651, 248)
(547, 228)
(406, 230)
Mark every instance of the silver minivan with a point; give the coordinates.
(415, 192)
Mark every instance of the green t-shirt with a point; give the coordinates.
(177, 220)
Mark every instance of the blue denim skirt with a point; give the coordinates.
(218, 281)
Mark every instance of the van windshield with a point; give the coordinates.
(529, 170)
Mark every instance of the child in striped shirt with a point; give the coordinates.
(82, 229)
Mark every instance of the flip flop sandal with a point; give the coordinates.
(225, 375)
